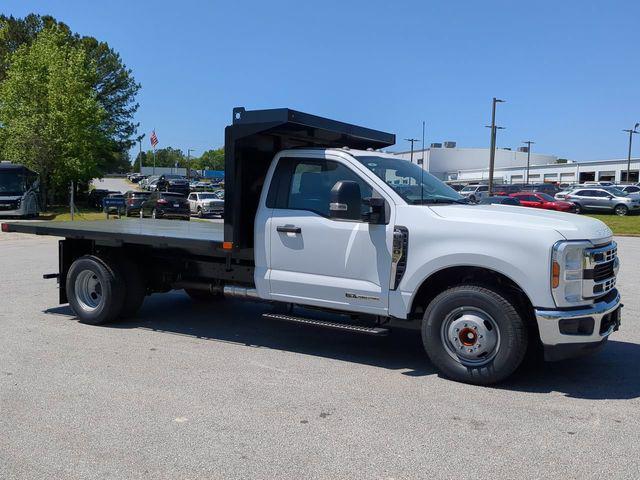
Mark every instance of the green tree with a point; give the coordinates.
(164, 157)
(50, 117)
(113, 82)
(210, 159)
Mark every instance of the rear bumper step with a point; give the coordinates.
(376, 331)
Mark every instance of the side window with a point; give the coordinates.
(305, 184)
(582, 193)
(483, 189)
(192, 196)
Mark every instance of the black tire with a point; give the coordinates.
(472, 198)
(203, 296)
(621, 210)
(136, 287)
(511, 342)
(579, 209)
(112, 290)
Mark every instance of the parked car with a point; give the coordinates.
(94, 200)
(563, 193)
(600, 183)
(475, 193)
(165, 205)
(133, 201)
(506, 190)
(113, 203)
(548, 188)
(205, 203)
(145, 183)
(544, 201)
(499, 200)
(630, 189)
(173, 183)
(604, 200)
(137, 177)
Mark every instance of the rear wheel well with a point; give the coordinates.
(453, 276)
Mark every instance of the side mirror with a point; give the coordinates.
(610, 197)
(346, 201)
(378, 214)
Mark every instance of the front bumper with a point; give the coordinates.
(595, 323)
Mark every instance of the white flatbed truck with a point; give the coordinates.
(317, 217)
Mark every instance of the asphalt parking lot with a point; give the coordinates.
(190, 391)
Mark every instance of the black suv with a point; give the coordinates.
(165, 205)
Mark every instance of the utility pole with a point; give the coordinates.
(72, 206)
(528, 143)
(140, 153)
(412, 140)
(631, 132)
(189, 150)
(492, 152)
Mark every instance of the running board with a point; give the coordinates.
(377, 331)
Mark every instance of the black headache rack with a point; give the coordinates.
(251, 142)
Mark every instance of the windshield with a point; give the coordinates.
(207, 196)
(410, 181)
(471, 188)
(13, 183)
(616, 191)
(546, 197)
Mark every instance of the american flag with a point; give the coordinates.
(154, 139)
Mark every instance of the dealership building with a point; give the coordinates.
(471, 165)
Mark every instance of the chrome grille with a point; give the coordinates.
(600, 270)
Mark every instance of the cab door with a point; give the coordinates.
(318, 260)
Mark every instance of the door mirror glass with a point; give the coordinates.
(346, 201)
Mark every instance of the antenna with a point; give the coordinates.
(424, 153)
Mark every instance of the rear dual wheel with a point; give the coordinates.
(102, 289)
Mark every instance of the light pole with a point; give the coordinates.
(412, 140)
(631, 132)
(492, 153)
(528, 143)
(189, 150)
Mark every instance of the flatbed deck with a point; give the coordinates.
(203, 237)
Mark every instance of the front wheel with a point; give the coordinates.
(621, 210)
(578, 209)
(473, 334)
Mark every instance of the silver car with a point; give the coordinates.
(475, 193)
(205, 204)
(603, 199)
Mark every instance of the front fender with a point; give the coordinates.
(435, 244)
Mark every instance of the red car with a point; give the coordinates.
(543, 200)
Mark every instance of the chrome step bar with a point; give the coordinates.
(376, 331)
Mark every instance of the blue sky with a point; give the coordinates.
(569, 70)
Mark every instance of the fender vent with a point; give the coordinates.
(399, 255)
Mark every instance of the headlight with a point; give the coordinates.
(567, 264)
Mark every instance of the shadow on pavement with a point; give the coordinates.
(613, 373)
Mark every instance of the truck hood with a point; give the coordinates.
(569, 225)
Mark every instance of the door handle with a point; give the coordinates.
(288, 229)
